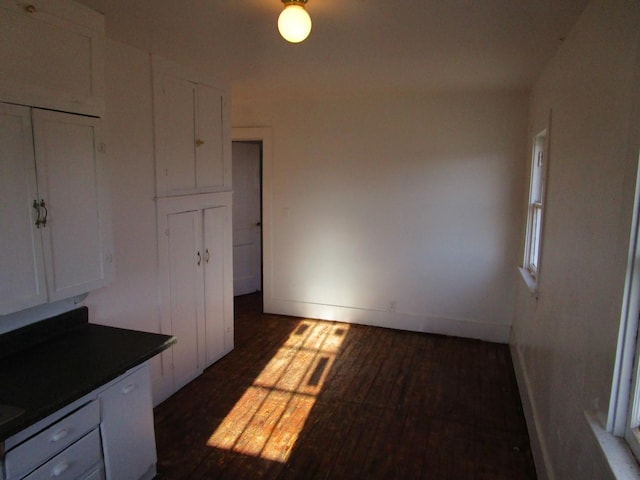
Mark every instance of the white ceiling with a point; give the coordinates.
(355, 45)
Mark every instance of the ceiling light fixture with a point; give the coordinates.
(294, 23)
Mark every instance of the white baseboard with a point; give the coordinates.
(538, 444)
(491, 332)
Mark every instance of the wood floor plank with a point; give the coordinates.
(300, 398)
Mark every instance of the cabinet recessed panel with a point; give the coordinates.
(127, 427)
(22, 282)
(192, 131)
(176, 136)
(67, 166)
(52, 56)
(210, 152)
(67, 68)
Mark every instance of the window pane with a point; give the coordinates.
(534, 248)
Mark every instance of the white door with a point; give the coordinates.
(214, 220)
(67, 164)
(185, 287)
(22, 278)
(247, 226)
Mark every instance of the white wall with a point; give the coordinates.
(406, 198)
(132, 300)
(564, 343)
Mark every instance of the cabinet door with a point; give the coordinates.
(192, 132)
(185, 294)
(211, 142)
(214, 222)
(127, 427)
(22, 280)
(174, 103)
(196, 300)
(52, 56)
(68, 150)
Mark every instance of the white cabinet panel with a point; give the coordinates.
(210, 138)
(214, 221)
(67, 151)
(52, 56)
(175, 135)
(196, 274)
(65, 236)
(127, 427)
(192, 132)
(185, 277)
(22, 279)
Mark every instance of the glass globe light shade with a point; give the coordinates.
(294, 23)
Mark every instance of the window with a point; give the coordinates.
(624, 416)
(531, 263)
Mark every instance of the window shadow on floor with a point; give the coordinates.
(301, 398)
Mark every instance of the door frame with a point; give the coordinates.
(263, 135)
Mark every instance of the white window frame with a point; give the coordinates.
(624, 415)
(530, 269)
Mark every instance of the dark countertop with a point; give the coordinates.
(48, 365)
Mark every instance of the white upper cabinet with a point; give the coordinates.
(56, 240)
(196, 285)
(51, 52)
(69, 151)
(192, 132)
(22, 278)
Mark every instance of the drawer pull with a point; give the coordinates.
(59, 469)
(129, 388)
(60, 434)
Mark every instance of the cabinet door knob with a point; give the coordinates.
(199, 258)
(59, 469)
(30, 8)
(199, 142)
(207, 256)
(59, 435)
(43, 222)
(36, 207)
(129, 388)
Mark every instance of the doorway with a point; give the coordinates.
(247, 216)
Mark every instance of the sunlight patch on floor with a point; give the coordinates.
(269, 417)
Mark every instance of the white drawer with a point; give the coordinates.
(72, 462)
(39, 448)
(96, 474)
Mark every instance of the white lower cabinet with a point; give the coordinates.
(197, 285)
(109, 436)
(52, 440)
(127, 427)
(74, 462)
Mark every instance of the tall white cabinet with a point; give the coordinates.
(53, 207)
(196, 284)
(194, 201)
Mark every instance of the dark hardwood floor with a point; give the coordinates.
(307, 399)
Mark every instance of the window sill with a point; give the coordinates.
(532, 285)
(622, 463)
